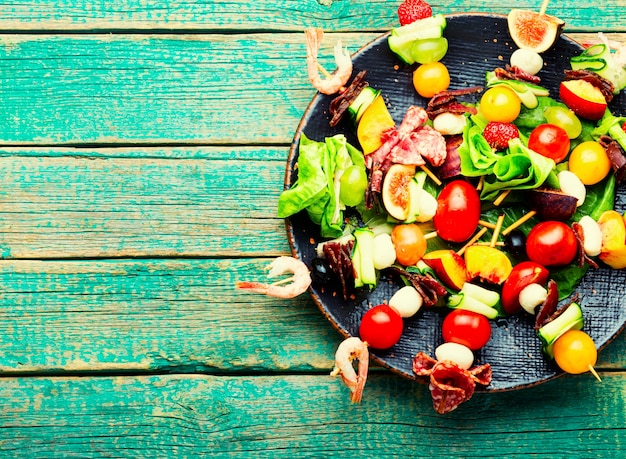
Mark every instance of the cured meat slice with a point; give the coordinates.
(431, 145)
(481, 374)
(516, 73)
(407, 151)
(415, 117)
(616, 156)
(423, 364)
(450, 385)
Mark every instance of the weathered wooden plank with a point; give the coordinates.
(265, 14)
(163, 315)
(101, 89)
(304, 417)
(141, 202)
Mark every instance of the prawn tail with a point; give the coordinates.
(256, 287)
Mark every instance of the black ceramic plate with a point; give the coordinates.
(477, 43)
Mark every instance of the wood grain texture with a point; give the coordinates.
(154, 315)
(141, 202)
(163, 315)
(288, 15)
(157, 89)
(304, 417)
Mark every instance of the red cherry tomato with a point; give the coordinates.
(551, 243)
(381, 327)
(458, 211)
(550, 141)
(467, 328)
(522, 275)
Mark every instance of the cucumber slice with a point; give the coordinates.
(489, 297)
(570, 319)
(362, 101)
(463, 301)
(363, 257)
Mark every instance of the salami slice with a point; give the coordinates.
(423, 364)
(450, 385)
(481, 374)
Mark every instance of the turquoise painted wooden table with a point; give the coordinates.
(142, 152)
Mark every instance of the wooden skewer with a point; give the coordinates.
(496, 231)
(431, 235)
(481, 182)
(497, 244)
(472, 241)
(544, 7)
(527, 216)
(432, 176)
(594, 372)
(487, 224)
(502, 197)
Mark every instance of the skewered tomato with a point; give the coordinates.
(550, 141)
(575, 352)
(458, 211)
(430, 79)
(500, 104)
(381, 327)
(522, 275)
(551, 243)
(589, 162)
(467, 328)
(409, 242)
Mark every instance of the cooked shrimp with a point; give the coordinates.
(300, 280)
(350, 349)
(337, 80)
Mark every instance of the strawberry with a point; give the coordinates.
(412, 10)
(498, 134)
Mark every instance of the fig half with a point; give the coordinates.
(553, 204)
(534, 31)
(396, 190)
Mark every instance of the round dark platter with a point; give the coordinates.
(477, 43)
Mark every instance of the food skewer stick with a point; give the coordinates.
(487, 224)
(496, 231)
(430, 173)
(544, 7)
(476, 237)
(327, 74)
(431, 235)
(501, 197)
(527, 216)
(594, 372)
(481, 182)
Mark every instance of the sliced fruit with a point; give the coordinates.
(534, 31)
(448, 266)
(583, 98)
(613, 227)
(487, 263)
(374, 122)
(396, 190)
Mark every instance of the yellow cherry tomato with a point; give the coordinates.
(500, 104)
(575, 352)
(589, 162)
(430, 79)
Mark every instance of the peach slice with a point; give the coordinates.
(487, 263)
(583, 98)
(449, 267)
(375, 121)
(613, 228)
